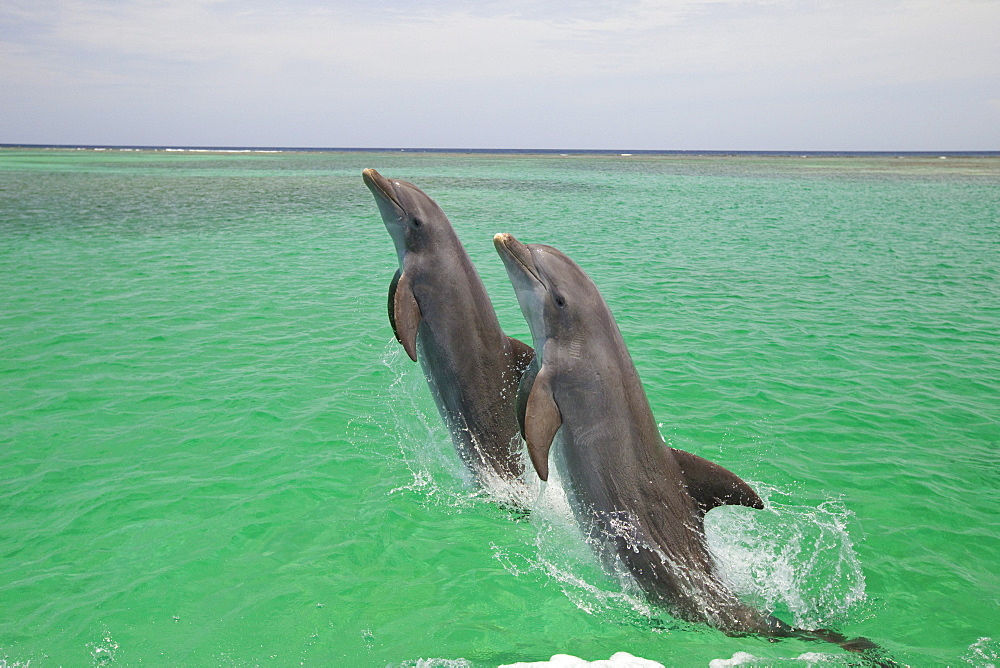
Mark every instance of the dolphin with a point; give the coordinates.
(642, 503)
(441, 314)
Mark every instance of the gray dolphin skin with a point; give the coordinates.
(642, 503)
(441, 314)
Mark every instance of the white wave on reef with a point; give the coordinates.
(211, 150)
(617, 660)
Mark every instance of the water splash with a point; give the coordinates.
(792, 558)
(426, 447)
(6, 662)
(559, 552)
(789, 557)
(562, 555)
(984, 653)
(103, 651)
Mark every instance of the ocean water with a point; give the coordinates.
(213, 451)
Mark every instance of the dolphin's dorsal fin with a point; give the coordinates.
(404, 313)
(712, 485)
(538, 415)
(522, 355)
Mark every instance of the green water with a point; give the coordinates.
(213, 452)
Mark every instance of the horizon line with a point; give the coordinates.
(624, 152)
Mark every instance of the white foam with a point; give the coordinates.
(427, 449)
(984, 653)
(562, 554)
(748, 660)
(519, 493)
(617, 660)
(798, 558)
(103, 651)
(425, 446)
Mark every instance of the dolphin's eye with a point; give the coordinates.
(417, 222)
(560, 302)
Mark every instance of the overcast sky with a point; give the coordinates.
(676, 74)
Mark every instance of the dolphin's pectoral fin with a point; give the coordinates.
(392, 303)
(542, 420)
(712, 485)
(404, 313)
(522, 355)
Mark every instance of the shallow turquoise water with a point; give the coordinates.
(213, 452)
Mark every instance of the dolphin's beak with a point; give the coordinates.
(515, 254)
(380, 186)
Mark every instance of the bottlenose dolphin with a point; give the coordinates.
(441, 314)
(642, 503)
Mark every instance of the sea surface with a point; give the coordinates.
(214, 453)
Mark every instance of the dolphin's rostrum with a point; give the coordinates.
(442, 316)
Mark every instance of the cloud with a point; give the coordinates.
(898, 41)
(565, 69)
